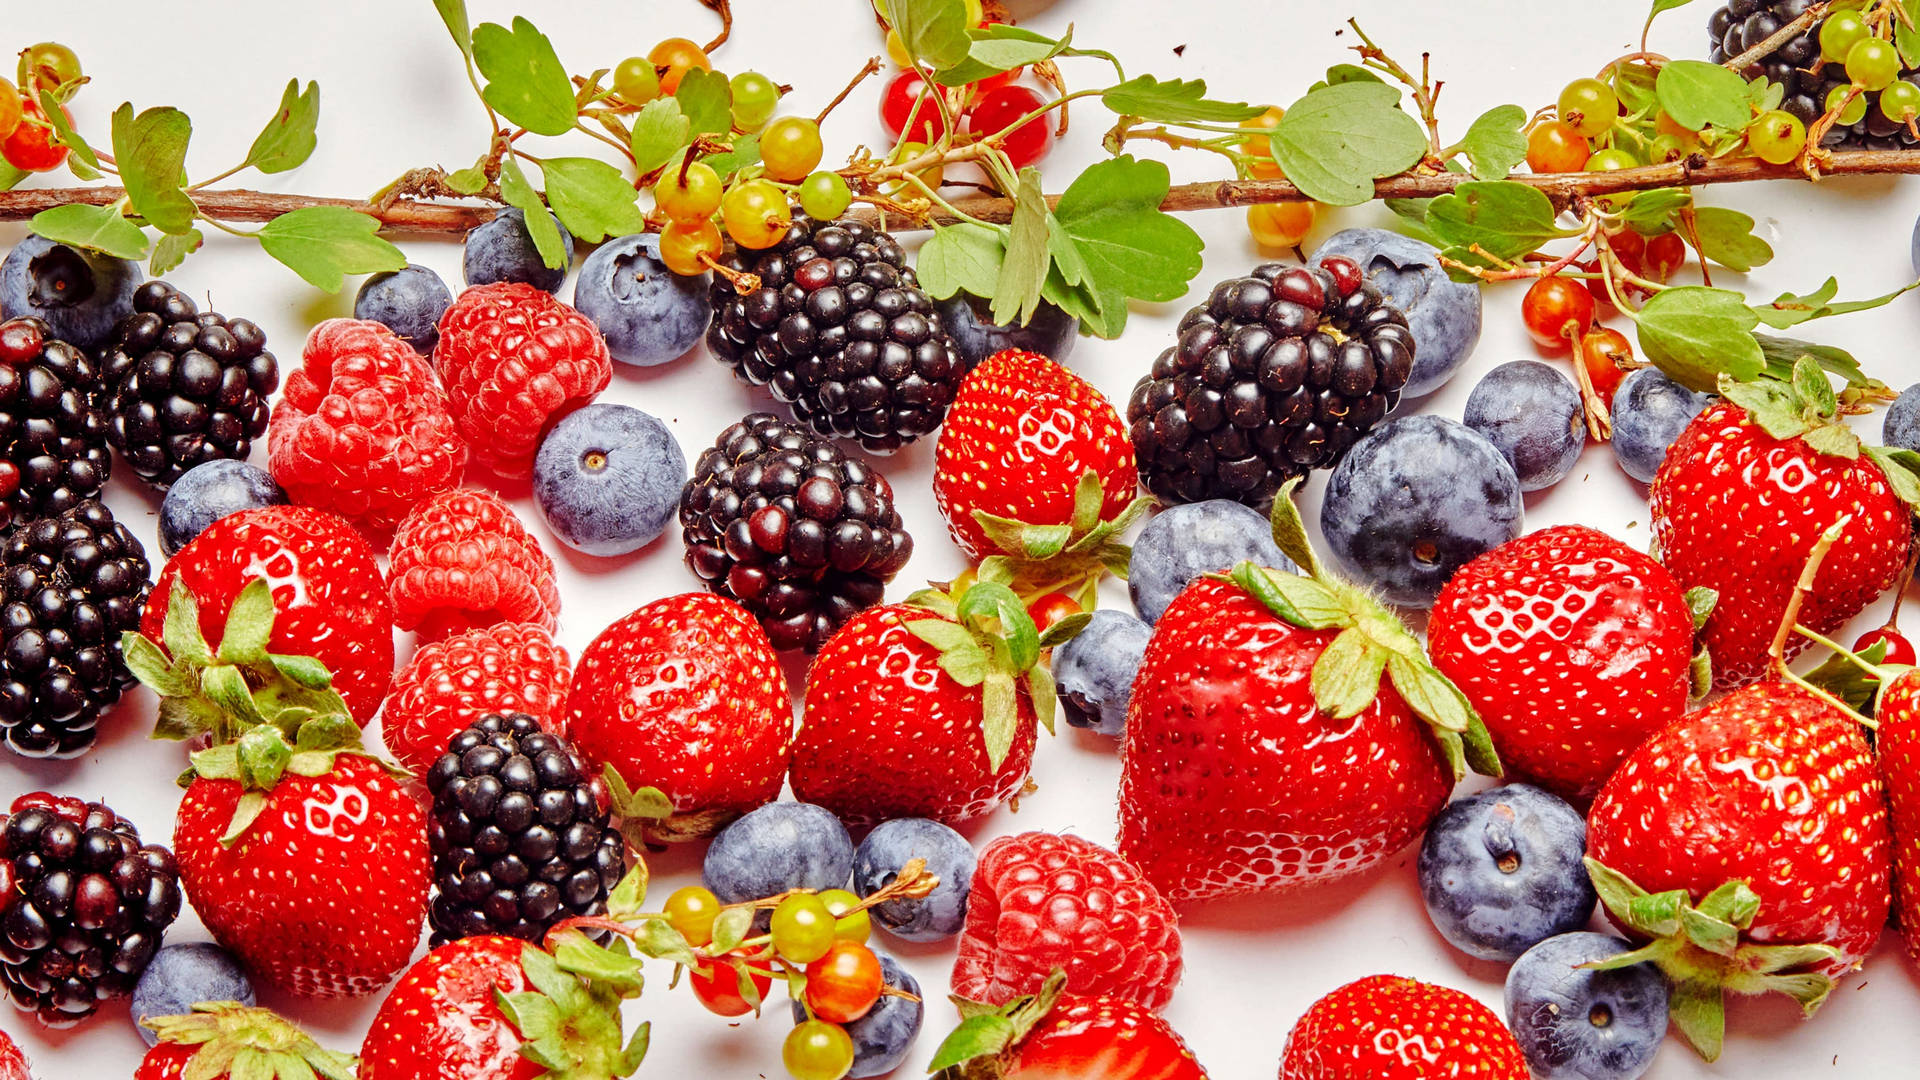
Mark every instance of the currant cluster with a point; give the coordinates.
(1837, 63)
(26, 136)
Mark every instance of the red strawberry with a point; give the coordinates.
(447, 685)
(462, 559)
(1041, 902)
(1898, 744)
(1056, 1036)
(686, 695)
(330, 600)
(13, 1063)
(256, 1043)
(924, 709)
(1388, 1028)
(1573, 646)
(1743, 494)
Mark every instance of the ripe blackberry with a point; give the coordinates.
(85, 905)
(841, 332)
(53, 443)
(1276, 374)
(520, 840)
(69, 587)
(182, 386)
(787, 524)
(1797, 68)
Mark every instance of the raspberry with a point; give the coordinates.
(463, 560)
(1042, 901)
(513, 358)
(362, 428)
(448, 685)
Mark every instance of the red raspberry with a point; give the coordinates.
(1042, 901)
(363, 429)
(504, 668)
(514, 358)
(463, 560)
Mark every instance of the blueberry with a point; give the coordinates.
(648, 313)
(607, 479)
(1186, 541)
(1574, 1024)
(1649, 412)
(1902, 424)
(408, 302)
(1501, 871)
(501, 250)
(182, 976)
(1533, 415)
(1051, 332)
(82, 294)
(208, 492)
(1094, 670)
(882, 1038)
(887, 848)
(1443, 314)
(1417, 499)
(781, 846)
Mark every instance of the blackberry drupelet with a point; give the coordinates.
(53, 442)
(1276, 374)
(183, 386)
(69, 587)
(520, 840)
(783, 521)
(85, 906)
(1797, 68)
(840, 330)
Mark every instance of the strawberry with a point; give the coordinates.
(13, 1063)
(1388, 1028)
(927, 708)
(686, 696)
(1742, 495)
(1284, 729)
(1052, 1035)
(1898, 744)
(329, 597)
(1572, 646)
(222, 1040)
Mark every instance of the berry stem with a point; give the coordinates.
(1778, 38)
(743, 282)
(871, 67)
(724, 9)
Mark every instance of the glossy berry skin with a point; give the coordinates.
(648, 314)
(1042, 901)
(686, 695)
(1094, 671)
(1572, 646)
(969, 320)
(1898, 746)
(897, 107)
(513, 359)
(442, 1019)
(1181, 543)
(844, 984)
(1232, 779)
(462, 560)
(1769, 785)
(1533, 415)
(1108, 1037)
(1444, 315)
(53, 438)
(607, 479)
(1556, 147)
(1649, 413)
(182, 976)
(1557, 311)
(329, 597)
(208, 492)
(30, 146)
(781, 846)
(1500, 871)
(882, 1037)
(1021, 433)
(1737, 510)
(1385, 1027)
(448, 684)
(889, 847)
(1899, 649)
(82, 295)
(1901, 425)
(323, 897)
(717, 985)
(886, 733)
(1002, 107)
(1573, 1024)
(500, 250)
(408, 302)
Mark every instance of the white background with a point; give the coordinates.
(394, 98)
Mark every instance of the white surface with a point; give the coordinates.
(394, 98)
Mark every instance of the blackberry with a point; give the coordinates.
(1276, 374)
(840, 331)
(53, 443)
(69, 587)
(520, 840)
(183, 386)
(1799, 71)
(784, 522)
(86, 906)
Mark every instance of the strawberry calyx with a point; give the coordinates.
(1372, 644)
(239, 1040)
(569, 1022)
(984, 1042)
(1700, 602)
(1699, 947)
(1070, 558)
(1804, 407)
(648, 819)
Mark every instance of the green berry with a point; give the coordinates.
(817, 1050)
(825, 196)
(1589, 105)
(1777, 136)
(1873, 64)
(803, 928)
(1900, 101)
(1612, 159)
(1853, 113)
(1840, 33)
(636, 81)
(754, 99)
(856, 927)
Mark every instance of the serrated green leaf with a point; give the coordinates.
(1698, 94)
(657, 938)
(1696, 334)
(961, 258)
(151, 152)
(1337, 140)
(518, 192)
(1782, 353)
(288, 139)
(745, 152)
(100, 228)
(1176, 101)
(454, 14)
(1016, 290)
(1726, 237)
(1788, 309)
(526, 83)
(934, 32)
(600, 966)
(323, 244)
(1131, 249)
(1506, 218)
(1496, 142)
(467, 181)
(171, 250)
(706, 99)
(998, 47)
(592, 199)
(660, 132)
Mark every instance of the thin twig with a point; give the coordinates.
(871, 67)
(1778, 38)
(724, 9)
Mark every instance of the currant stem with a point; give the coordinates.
(1778, 38)
(871, 67)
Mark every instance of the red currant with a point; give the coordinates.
(897, 105)
(1555, 147)
(845, 983)
(1604, 352)
(717, 985)
(31, 146)
(1899, 649)
(1557, 312)
(1666, 253)
(677, 56)
(1025, 144)
(1051, 608)
(9, 108)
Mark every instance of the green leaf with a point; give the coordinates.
(961, 258)
(1782, 352)
(1290, 531)
(998, 47)
(1180, 101)
(1665, 5)
(11, 175)
(526, 83)
(731, 928)
(1697, 94)
(977, 1036)
(63, 131)
(1131, 248)
(1347, 73)
(305, 671)
(1700, 604)
(1906, 36)
(999, 716)
(706, 99)
(249, 624)
(629, 897)
(1654, 212)
(1726, 237)
(1299, 601)
(1789, 310)
(1902, 469)
(100, 228)
(172, 250)
(1506, 218)
(288, 139)
(1696, 334)
(1337, 140)
(592, 198)
(636, 1050)
(151, 150)
(657, 938)
(1698, 1010)
(515, 189)
(467, 181)
(454, 14)
(934, 32)
(1016, 290)
(323, 244)
(660, 132)
(1346, 677)
(1772, 405)
(1430, 694)
(1496, 143)
(599, 965)
(745, 152)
